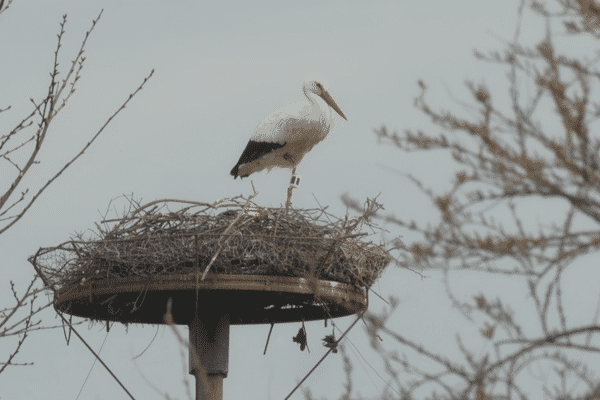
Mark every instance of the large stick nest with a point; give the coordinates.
(231, 236)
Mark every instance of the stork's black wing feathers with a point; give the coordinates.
(254, 150)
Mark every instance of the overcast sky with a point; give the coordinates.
(220, 68)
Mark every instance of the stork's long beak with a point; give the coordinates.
(332, 104)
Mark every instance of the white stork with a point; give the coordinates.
(287, 134)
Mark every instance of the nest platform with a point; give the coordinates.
(256, 264)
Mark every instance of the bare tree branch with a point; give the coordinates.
(50, 106)
(507, 158)
(17, 320)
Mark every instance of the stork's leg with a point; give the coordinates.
(293, 184)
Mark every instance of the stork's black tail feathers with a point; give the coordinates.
(235, 171)
(253, 151)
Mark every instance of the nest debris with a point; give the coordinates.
(230, 236)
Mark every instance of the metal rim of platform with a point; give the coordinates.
(249, 299)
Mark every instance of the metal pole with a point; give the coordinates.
(209, 387)
(209, 353)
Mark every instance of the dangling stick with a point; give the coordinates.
(268, 337)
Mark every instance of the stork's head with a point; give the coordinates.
(318, 89)
(313, 87)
